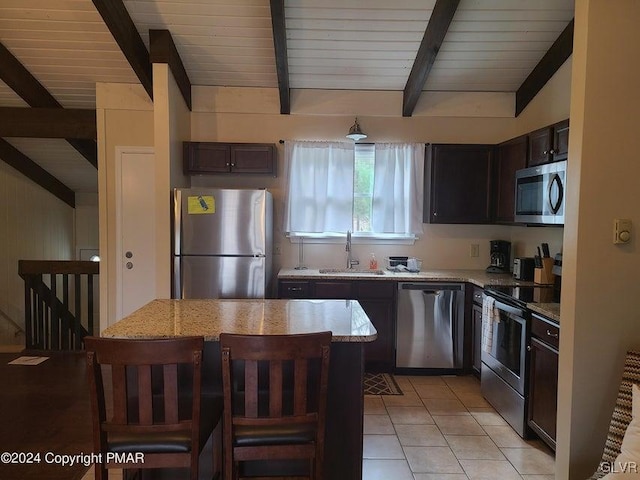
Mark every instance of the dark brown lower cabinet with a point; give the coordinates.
(543, 379)
(377, 299)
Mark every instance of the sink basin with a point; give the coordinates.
(355, 271)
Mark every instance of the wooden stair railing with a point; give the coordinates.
(52, 323)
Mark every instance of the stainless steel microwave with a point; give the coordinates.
(540, 194)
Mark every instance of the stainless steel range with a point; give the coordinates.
(504, 355)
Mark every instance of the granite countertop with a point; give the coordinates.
(479, 278)
(208, 318)
(549, 310)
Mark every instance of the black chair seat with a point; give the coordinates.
(253, 436)
(150, 443)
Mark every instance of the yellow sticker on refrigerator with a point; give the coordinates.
(201, 204)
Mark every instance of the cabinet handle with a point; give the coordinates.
(549, 334)
(435, 214)
(545, 153)
(228, 164)
(528, 348)
(295, 289)
(552, 151)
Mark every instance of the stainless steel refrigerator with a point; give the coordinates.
(222, 243)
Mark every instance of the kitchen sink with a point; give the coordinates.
(355, 271)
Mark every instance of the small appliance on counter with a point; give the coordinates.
(499, 256)
(523, 268)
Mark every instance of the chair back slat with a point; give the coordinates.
(251, 388)
(170, 393)
(145, 407)
(119, 389)
(300, 387)
(275, 388)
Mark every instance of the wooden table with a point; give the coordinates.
(45, 409)
(347, 321)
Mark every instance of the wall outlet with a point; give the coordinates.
(475, 250)
(277, 249)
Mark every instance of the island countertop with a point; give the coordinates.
(208, 318)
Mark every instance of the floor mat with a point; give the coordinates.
(380, 384)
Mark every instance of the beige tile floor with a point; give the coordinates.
(443, 429)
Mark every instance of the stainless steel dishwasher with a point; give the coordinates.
(430, 325)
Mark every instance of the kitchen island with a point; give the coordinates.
(351, 329)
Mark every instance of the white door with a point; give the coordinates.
(136, 212)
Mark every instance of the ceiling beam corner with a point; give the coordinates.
(162, 49)
(280, 47)
(557, 54)
(30, 169)
(119, 22)
(434, 34)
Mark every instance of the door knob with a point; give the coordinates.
(128, 254)
(129, 265)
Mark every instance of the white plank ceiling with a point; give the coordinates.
(491, 45)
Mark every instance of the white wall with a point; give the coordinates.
(86, 223)
(124, 118)
(252, 115)
(172, 126)
(600, 315)
(35, 225)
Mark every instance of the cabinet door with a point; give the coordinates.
(204, 157)
(253, 159)
(543, 391)
(333, 289)
(379, 355)
(293, 289)
(560, 141)
(510, 157)
(457, 184)
(540, 143)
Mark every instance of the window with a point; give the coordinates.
(373, 190)
(363, 172)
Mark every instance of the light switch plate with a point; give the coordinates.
(621, 230)
(475, 250)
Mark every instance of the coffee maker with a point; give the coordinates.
(499, 256)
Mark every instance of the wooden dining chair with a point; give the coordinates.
(146, 399)
(275, 396)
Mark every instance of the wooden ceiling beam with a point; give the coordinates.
(47, 123)
(434, 34)
(162, 49)
(30, 169)
(280, 47)
(20, 80)
(561, 49)
(119, 22)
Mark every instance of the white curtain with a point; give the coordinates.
(320, 187)
(398, 188)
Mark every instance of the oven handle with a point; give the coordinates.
(518, 312)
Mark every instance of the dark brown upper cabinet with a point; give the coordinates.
(510, 156)
(549, 144)
(458, 184)
(220, 158)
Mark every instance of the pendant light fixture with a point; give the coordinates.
(355, 133)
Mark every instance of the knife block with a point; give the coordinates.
(545, 274)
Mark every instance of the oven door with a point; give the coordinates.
(508, 347)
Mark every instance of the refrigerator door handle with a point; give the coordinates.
(177, 279)
(177, 220)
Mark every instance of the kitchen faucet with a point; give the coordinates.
(350, 261)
